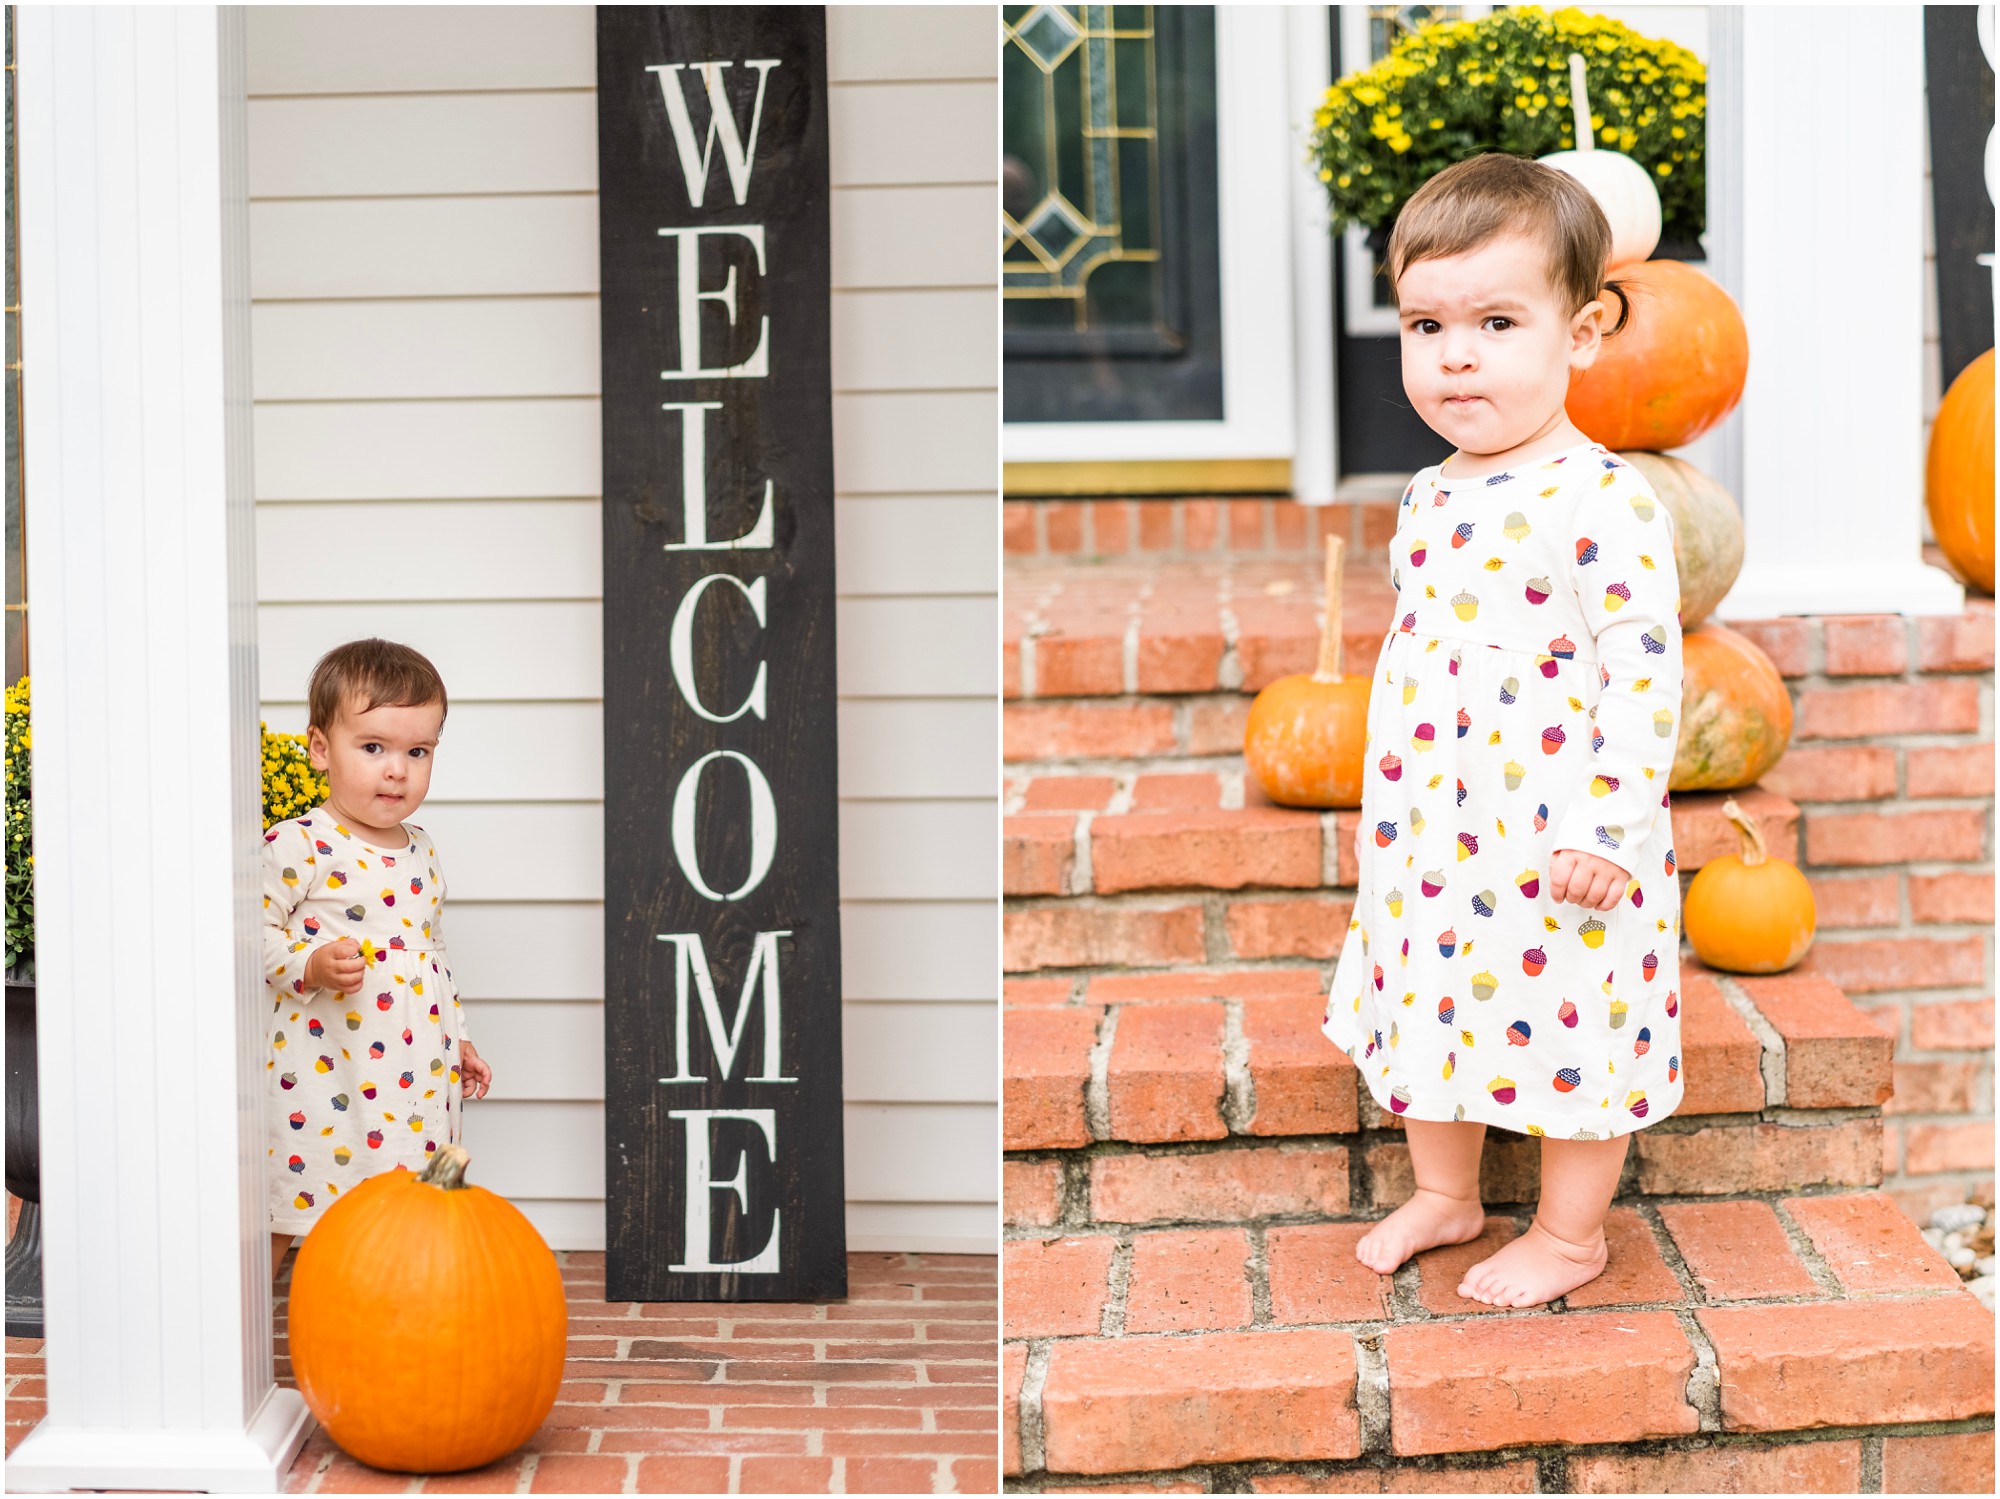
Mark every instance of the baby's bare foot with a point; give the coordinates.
(1534, 1268)
(1427, 1220)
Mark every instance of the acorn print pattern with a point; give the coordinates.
(360, 1083)
(1527, 700)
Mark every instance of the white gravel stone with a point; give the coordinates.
(1933, 1237)
(1959, 1256)
(1958, 1215)
(1985, 1266)
(1983, 1289)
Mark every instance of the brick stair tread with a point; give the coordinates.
(1167, 1073)
(1186, 619)
(1169, 1349)
(1179, 836)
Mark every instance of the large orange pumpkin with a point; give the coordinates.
(428, 1321)
(1708, 531)
(1674, 371)
(1958, 473)
(1736, 714)
(1749, 913)
(1306, 733)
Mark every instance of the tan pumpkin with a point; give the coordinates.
(1736, 713)
(1708, 531)
(1958, 474)
(1749, 913)
(428, 1321)
(1307, 733)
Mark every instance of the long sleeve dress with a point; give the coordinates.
(357, 1083)
(1527, 699)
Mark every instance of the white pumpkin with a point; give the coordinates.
(1622, 187)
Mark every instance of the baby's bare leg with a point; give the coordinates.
(279, 1244)
(1564, 1245)
(1444, 1209)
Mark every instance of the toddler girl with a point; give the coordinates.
(1513, 958)
(368, 1041)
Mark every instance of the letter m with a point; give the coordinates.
(691, 963)
(737, 155)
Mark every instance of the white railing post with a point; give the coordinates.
(135, 334)
(1831, 262)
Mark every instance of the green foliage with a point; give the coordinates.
(1454, 89)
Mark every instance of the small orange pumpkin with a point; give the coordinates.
(1749, 914)
(1708, 531)
(1306, 734)
(1674, 371)
(1736, 713)
(1958, 473)
(428, 1321)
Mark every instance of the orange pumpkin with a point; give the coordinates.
(1306, 733)
(1708, 531)
(1674, 371)
(1958, 473)
(1750, 913)
(1736, 713)
(428, 1321)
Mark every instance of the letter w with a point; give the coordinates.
(691, 959)
(738, 157)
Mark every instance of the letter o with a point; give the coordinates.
(763, 825)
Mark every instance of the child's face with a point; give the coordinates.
(1487, 348)
(378, 763)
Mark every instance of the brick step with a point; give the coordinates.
(1213, 1056)
(1363, 514)
(1113, 834)
(1749, 1344)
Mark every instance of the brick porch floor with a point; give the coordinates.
(894, 1390)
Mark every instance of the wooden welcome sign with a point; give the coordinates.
(722, 1075)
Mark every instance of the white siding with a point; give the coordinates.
(424, 267)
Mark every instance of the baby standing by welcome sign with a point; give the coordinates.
(1513, 957)
(368, 1042)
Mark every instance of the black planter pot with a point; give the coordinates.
(24, 1162)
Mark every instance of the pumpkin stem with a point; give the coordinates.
(1579, 102)
(446, 1168)
(1754, 852)
(1328, 669)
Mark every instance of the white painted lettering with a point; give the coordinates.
(680, 648)
(737, 156)
(694, 487)
(763, 825)
(691, 960)
(701, 1182)
(690, 296)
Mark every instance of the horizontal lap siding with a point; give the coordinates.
(424, 276)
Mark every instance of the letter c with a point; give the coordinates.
(680, 647)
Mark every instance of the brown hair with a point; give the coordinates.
(1482, 197)
(376, 672)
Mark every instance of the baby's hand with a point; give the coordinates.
(338, 965)
(474, 1071)
(1585, 879)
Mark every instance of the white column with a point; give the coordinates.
(1309, 70)
(1832, 264)
(134, 251)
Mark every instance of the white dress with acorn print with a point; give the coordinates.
(358, 1083)
(1526, 699)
